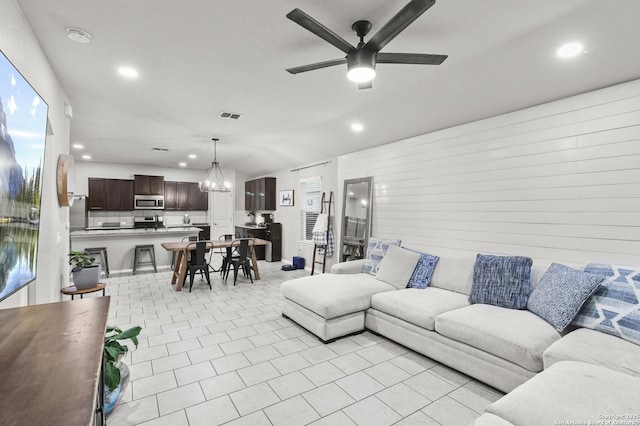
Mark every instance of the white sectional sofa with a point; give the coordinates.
(502, 347)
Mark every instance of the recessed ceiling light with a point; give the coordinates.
(78, 146)
(86, 157)
(182, 164)
(78, 35)
(357, 127)
(127, 72)
(192, 156)
(569, 50)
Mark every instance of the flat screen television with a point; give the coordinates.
(23, 131)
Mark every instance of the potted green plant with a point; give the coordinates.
(116, 373)
(86, 273)
(252, 217)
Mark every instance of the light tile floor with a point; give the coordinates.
(226, 356)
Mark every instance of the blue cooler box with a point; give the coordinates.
(298, 262)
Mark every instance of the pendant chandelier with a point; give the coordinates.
(214, 180)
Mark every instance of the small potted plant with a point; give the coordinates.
(86, 273)
(116, 373)
(252, 217)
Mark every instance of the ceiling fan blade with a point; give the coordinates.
(317, 66)
(307, 22)
(410, 58)
(367, 85)
(399, 22)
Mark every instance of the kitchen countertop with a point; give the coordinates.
(251, 226)
(138, 232)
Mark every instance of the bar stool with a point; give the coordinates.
(102, 252)
(139, 250)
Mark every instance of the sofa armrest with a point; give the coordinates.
(353, 267)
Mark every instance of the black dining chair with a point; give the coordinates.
(197, 262)
(225, 252)
(240, 260)
(173, 256)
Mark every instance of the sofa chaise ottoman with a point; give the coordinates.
(569, 392)
(330, 305)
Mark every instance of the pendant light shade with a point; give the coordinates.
(214, 180)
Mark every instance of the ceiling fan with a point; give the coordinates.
(361, 60)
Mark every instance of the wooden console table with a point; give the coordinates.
(51, 363)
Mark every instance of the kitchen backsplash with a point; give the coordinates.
(171, 218)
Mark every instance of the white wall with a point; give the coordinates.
(20, 45)
(292, 244)
(559, 181)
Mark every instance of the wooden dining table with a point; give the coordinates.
(183, 247)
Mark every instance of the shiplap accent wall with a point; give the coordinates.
(559, 181)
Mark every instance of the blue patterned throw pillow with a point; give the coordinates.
(561, 293)
(501, 281)
(421, 276)
(615, 306)
(376, 249)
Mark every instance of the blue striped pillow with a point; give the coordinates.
(615, 307)
(501, 281)
(376, 249)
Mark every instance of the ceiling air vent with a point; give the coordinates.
(229, 115)
(159, 150)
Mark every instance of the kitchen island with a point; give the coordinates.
(120, 244)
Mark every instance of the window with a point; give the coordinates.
(312, 199)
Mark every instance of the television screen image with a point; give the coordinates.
(23, 129)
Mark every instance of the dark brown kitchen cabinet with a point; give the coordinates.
(126, 194)
(170, 195)
(182, 198)
(250, 195)
(260, 194)
(198, 200)
(149, 185)
(97, 200)
(110, 194)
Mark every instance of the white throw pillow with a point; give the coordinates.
(397, 267)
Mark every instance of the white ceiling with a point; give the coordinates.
(197, 58)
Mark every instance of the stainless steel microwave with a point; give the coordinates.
(148, 202)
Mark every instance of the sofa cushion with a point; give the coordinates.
(376, 249)
(615, 306)
(423, 272)
(454, 273)
(518, 336)
(572, 393)
(330, 295)
(397, 267)
(501, 281)
(561, 293)
(594, 347)
(418, 306)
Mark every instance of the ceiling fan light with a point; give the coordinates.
(361, 74)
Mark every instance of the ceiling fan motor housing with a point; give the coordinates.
(361, 59)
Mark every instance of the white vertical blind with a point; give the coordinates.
(312, 197)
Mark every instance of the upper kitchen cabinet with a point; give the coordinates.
(149, 185)
(110, 194)
(184, 196)
(260, 194)
(250, 195)
(97, 198)
(198, 200)
(126, 194)
(170, 195)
